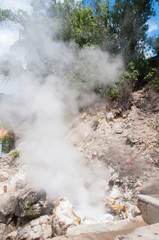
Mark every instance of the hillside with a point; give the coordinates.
(125, 143)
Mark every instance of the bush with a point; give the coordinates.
(112, 93)
(153, 77)
(8, 142)
(126, 82)
(14, 154)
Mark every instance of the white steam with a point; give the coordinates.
(25, 5)
(9, 33)
(55, 83)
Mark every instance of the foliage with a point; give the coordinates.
(153, 77)
(8, 142)
(82, 24)
(29, 212)
(125, 83)
(155, 44)
(131, 74)
(127, 31)
(19, 16)
(113, 93)
(118, 30)
(14, 154)
(6, 14)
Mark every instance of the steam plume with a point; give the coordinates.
(53, 81)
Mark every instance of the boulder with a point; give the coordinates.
(24, 206)
(4, 176)
(11, 236)
(2, 229)
(64, 217)
(8, 205)
(40, 228)
(31, 204)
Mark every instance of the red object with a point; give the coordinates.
(5, 189)
(2, 132)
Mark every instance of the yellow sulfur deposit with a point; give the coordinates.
(78, 220)
(117, 207)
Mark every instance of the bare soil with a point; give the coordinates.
(126, 141)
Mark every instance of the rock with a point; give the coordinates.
(64, 217)
(117, 207)
(149, 206)
(109, 116)
(31, 204)
(114, 179)
(115, 193)
(11, 236)
(3, 176)
(40, 228)
(116, 226)
(150, 232)
(25, 206)
(118, 129)
(151, 188)
(132, 140)
(155, 107)
(10, 232)
(2, 229)
(117, 112)
(7, 208)
(132, 211)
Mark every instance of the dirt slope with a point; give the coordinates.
(126, 141)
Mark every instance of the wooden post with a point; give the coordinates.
(5, 189)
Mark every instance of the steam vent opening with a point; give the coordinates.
(79, 116)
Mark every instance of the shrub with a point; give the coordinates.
(14, 154)
(8, 142)
(112, 93)
(153, 77)
(125, 84)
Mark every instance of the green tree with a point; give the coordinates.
(127, 30)
(8, 142)
(6, 15)
(155, 45)
(85, 25)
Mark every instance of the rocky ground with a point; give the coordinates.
(125, 141)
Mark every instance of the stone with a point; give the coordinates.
(31, 204)
(3, 176)
(109, 116)
(114, 180)
(102, 231)
(118, 129)
(7, 208)
(133, 210)
(115, 193)
(64, 217)
(2, 229)
(11, 236)
(150, 232)
(149, 207)
(40, 228)
(151, 188)
(123, 225)
(132, 140)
